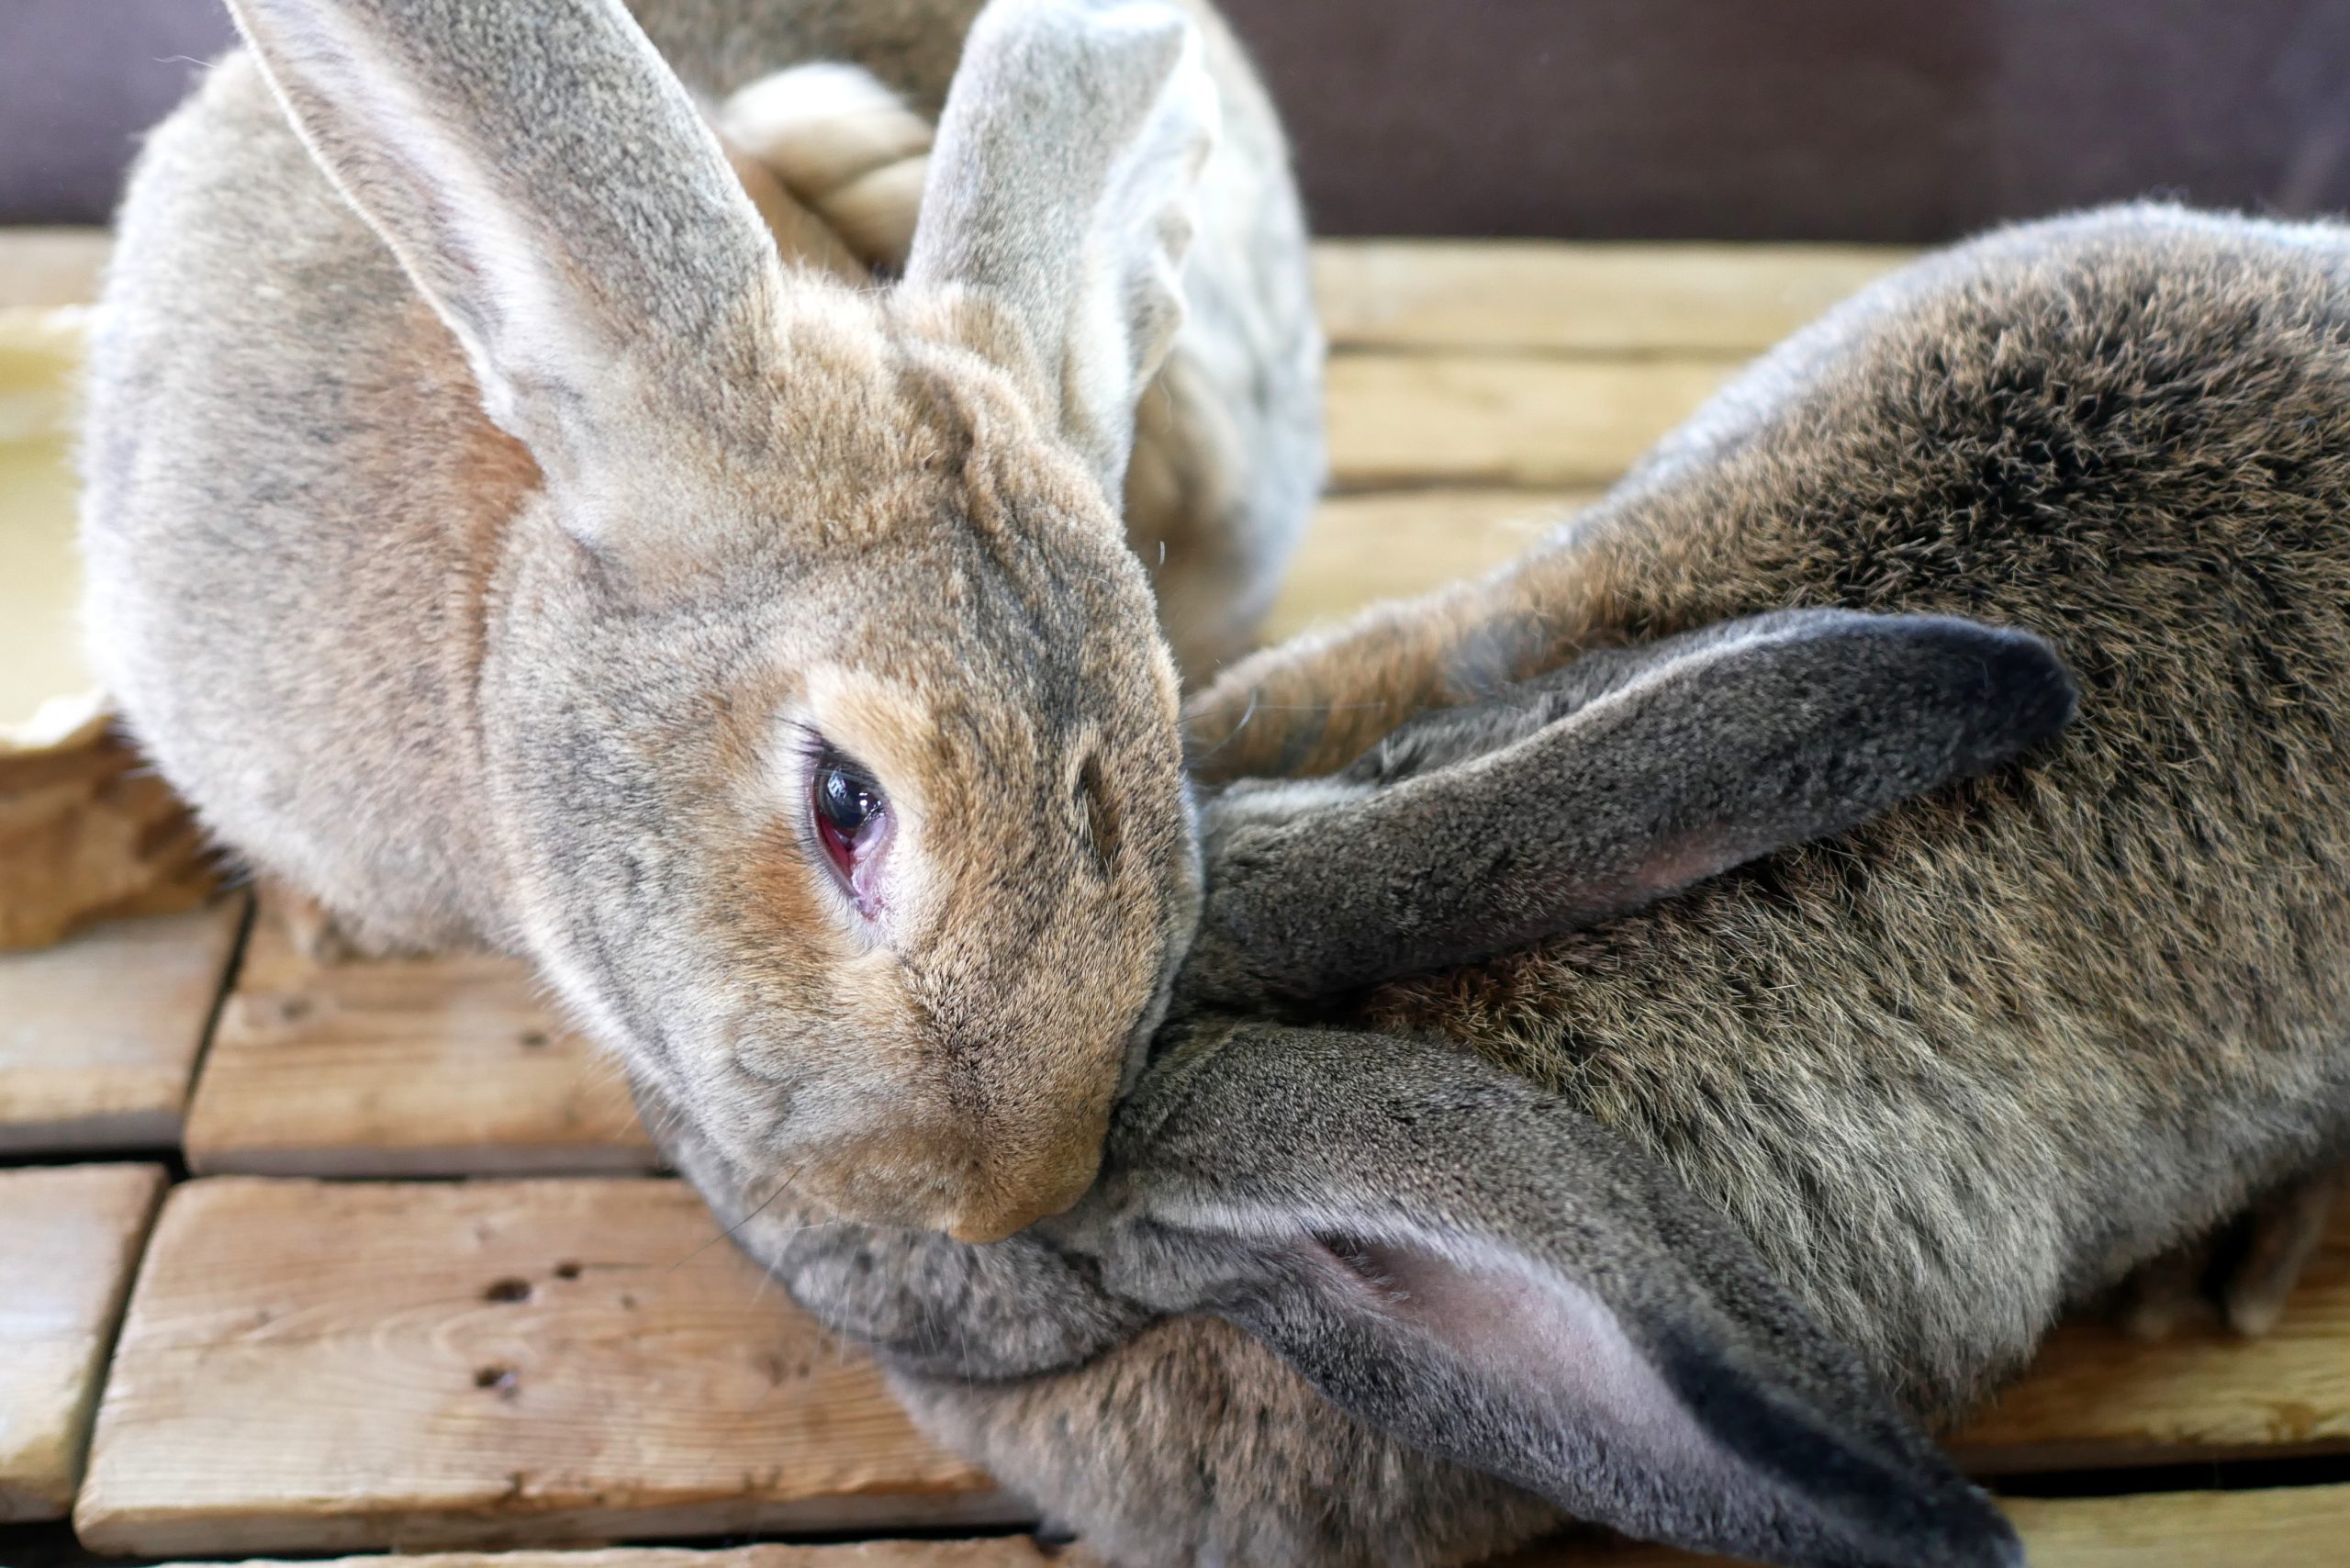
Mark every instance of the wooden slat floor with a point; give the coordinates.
(329, 1346)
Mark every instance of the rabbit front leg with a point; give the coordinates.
(1317, 702)
(2245, 1271)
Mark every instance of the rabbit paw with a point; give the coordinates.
(2239, 1274)
(311, 927)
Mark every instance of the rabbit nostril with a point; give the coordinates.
(508, 1290)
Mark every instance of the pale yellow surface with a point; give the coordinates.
(40, 649)
(1525, 297)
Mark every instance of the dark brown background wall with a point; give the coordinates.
(1873, 119)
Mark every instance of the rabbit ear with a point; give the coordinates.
(1489, 1275)
(1060, 187)
(1620, 779)
(552, 191)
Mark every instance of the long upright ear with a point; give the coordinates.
(1621, 778)
(1492, 1277)
(1061, 186)
(552, 191)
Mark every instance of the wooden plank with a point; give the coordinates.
(2282, 1528)
(99, 1035)
(2298, 1527)
(417, 1066)
(1391, 545)
(70, 1237)
(1560, 297)
(998, 1551)
(336, 1366)
(45, 266)
(1542, 296)
(1466, 418)
(2096, 1398)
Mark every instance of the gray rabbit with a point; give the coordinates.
(1544, 1129)
(498, 542)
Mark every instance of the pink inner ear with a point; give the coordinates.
(1523, 1328)
(1692, 857)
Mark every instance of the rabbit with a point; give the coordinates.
(1632, 774)
(497, 545)
(1521, 1148)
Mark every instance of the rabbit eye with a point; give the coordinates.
(851, 812)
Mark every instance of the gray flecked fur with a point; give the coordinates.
(1893, 1102)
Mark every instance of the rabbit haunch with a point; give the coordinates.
(480, 515)
(1831, 1139)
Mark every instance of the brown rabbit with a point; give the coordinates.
(496, 541)
(1677, 1216)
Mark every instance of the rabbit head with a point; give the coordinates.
(1482, 1271)
(1473, 1268)
(832, 742)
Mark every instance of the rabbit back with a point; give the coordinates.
(289, 490)
(1965, 1065)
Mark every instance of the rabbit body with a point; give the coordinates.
(472, 564)
(1948, 1073)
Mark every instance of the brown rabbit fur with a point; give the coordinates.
(1946, 1075)
(498, 542)
(2125, 432)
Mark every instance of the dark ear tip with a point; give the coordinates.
(2028, 682)
(1968, 1532)
(2010, 686)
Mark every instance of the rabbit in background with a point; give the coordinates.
(496, 542)
(1672, 1021)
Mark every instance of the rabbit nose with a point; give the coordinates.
(993, 1215)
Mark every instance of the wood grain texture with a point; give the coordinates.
(332, 1366)
(1521, 297)
(99, 1035)
(1396, 543)
(414, 1067)
(1511, 295)
(998, 1551)
(2302, 1526)
(2096, 1398)
(1466, 418)
(70, 1237)
(2286, 1527)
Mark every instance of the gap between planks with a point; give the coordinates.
(70, 1237)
